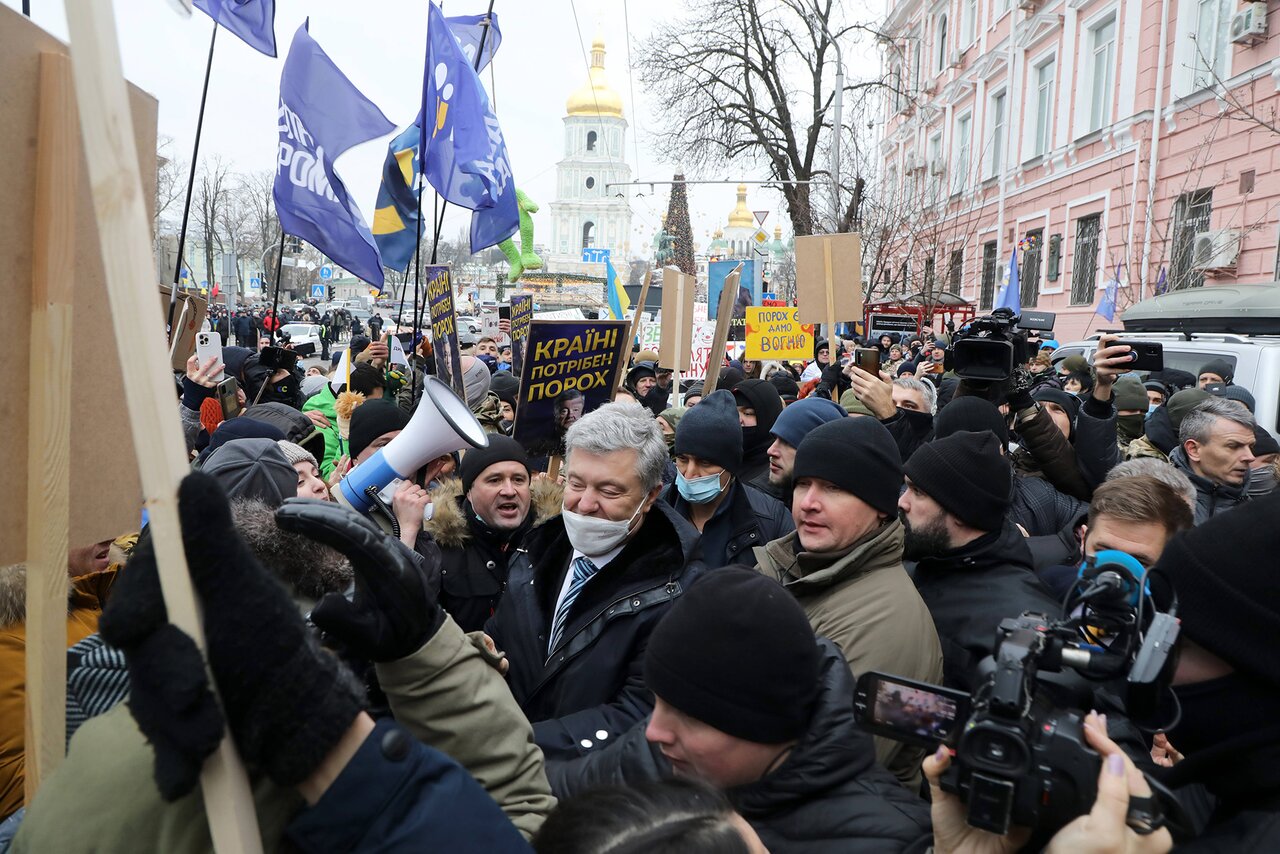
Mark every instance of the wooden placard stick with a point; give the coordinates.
(724, 316)
(832, 354)
(123, 232)
(49, 414)
(635, 329)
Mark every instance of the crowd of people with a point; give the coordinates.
(650, 642)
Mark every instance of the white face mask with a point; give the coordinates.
(594, 536)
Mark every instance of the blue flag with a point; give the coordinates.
(468, 30)
(252, 21)
(1011, 296)
(1162, 282)
(395, 222)
(322, 115)
(1107, 305)
(463, 154)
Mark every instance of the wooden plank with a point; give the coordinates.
(126, 253)
(833, 349)
(724, 317)
(635, 330)
(676, 348)
(49, 419)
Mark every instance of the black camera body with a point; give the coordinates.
(989, 348)
(1022, 759)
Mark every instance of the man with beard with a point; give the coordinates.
(974, 569)
(479, 520)
(759, 406)
(788, 431)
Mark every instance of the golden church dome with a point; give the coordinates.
(741, 216)
(596, 98)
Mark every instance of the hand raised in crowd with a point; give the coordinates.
(205, 375)
(504, 326)
(1163, 753)
(873, 391)
(341, 466)
(408, 503)
(375, 354)
(1109, 362)
(1103, 830)
(317, 417)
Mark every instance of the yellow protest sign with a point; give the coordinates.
(775, 332)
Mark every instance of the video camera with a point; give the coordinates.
(990, 348)
(1020, 752)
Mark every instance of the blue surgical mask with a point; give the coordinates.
(699, 490)
(1151, 409)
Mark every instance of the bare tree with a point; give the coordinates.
(743, 81)
(214, 183)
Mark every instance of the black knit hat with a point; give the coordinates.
(370, 420)
(1226, 603)
(1221, 367)
(972, 414)
(710, 431)
(763, 397)
(501, 449)
(786, 385)
(857, 455)
(736, 652)
(1065, 399)
(967, 476)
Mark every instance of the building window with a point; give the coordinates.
(1029, 275)
(591, 183)
(968, 22)
(935, 167)
(999, 128)
(899, 86)
(1102, 43)
(1209, 46)
(940, 47)
(956, 273)
(990, 265)
(591, 140)
(1190, 217)
(1043, 129)
(962, 145)
(588, 235)
(1084, 260)
(916, 50)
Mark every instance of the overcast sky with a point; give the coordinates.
(380, 45)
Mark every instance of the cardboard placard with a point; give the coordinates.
(724, 319)
(444, 329)
(188, 315)
(777, 333)
(571, 367)
(106, 491)
(829, 277)
(677, 319)
(521, 315)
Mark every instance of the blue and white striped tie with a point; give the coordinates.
(583, 570)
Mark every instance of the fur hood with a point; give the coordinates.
(13, 595)
(449, 528)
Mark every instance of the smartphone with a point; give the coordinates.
(868, 358)
(910, 711)
(277, 357)
(504, 312)
(1147, 355)
(209, 346)
(229, 398)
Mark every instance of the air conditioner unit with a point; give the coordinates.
(1216, 250)
(955, 58)
(914, 163)
(1249, 25)
(928, 88)
(937, 166)
(1028, 5)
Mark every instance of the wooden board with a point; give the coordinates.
(105, 492)
(829, 278)
(724, 317)
(676, 350)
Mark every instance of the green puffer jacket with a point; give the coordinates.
(324, 401)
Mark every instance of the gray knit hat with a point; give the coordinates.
(295, 453)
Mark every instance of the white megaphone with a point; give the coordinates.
(442, 423)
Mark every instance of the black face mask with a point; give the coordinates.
(286, 391)
(1130, 427)
(755, 440)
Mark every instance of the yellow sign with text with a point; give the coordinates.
(775, 332)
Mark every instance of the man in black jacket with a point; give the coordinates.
(765, 716)
(759, 406)
(732, 516)
(788, 431)
(587, 587)
(974, 569)
(479, 520)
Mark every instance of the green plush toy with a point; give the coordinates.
(524, 258)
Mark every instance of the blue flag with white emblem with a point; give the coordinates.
(469, 30)
(321, 115)
(463, 153)
(252, 21)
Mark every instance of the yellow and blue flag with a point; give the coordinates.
(395, 220)
(619, 302)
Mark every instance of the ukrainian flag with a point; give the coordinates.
(395, 221)
(619, 302)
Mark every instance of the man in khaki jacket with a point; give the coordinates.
(844, 563)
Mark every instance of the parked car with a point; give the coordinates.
(467, 323)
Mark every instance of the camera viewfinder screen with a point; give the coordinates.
(922, 713)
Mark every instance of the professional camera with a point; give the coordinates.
(989, 348)
(1020, 752)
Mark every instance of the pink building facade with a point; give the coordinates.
(1115, 140)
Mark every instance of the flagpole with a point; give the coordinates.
(439, 224)
(275, 299)
(191, 183)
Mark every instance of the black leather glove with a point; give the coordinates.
(286, 700)
(394, 612)
(834, 379)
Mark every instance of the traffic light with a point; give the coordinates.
(293, 245)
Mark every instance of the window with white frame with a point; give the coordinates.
(968, 22)
(961, 146)
(1206, 49)
(917, 48)
(898, 84)
(1102, 63)
(940, 43)
(935, 168)
(1042, 129)
(999, 129)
